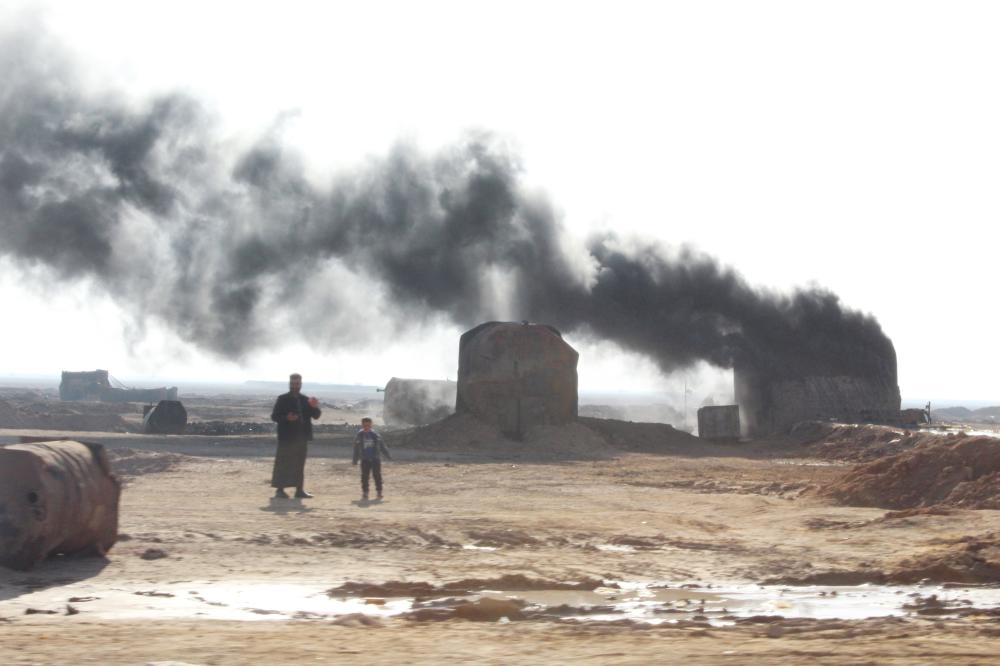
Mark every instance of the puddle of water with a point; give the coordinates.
(241, 600)
(955, 430)
(723, 605)
(653, 603)
(803, 462)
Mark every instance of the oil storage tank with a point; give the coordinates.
(167, 417)
(516, 375)
(856, 385)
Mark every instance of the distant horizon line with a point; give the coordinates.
(906, 402)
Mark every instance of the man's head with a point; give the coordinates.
(366, 423)
(295, 382)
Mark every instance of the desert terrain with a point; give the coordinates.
(602, 542)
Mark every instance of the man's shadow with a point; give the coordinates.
(283, 506)
(365, 503)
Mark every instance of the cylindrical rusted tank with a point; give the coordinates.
(168, 417)
(55, 497)
(517, 375)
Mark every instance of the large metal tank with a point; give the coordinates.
(168, 417)
(55, 497)
(856, 386)
(517, 375)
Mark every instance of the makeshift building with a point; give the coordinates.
(516, 376)
(719, 422)
(99, 385)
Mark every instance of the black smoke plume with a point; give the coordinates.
(146, 202)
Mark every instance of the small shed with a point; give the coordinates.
(719, 422)
(517, 375)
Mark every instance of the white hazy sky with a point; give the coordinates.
(853, 145)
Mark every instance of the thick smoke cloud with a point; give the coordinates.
(147, 203)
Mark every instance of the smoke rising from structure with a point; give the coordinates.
(225, 247)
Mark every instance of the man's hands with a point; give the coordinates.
(314, 403)
(293, 416)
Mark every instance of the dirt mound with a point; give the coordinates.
(583, 438)
(959, 471)
(68, 416)
(838, 441)
(130, 463)
(466, 433)
(645, 437)
(486, 609)
(89, 422)
(10, 416)
(966, 560)
(969, 560)
(509, 582)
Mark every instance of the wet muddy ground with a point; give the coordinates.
(714, 555)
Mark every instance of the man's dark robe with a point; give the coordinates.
(290, 458)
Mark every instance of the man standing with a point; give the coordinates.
(293, 412)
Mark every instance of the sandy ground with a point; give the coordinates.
(210, 570)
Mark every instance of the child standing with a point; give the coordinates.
(368, 447)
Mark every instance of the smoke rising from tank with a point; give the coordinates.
(234, 250)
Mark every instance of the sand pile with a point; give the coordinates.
(77, 421)
(58, 416)
(583, 438)
(971, 559)
(966, 560)
(646, 437)
(955, 470)
(467, 434)
(862, 442)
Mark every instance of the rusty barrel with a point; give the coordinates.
(55, 497)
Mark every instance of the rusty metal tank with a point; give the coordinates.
(516, 375)
(168, 417)
(55, 497)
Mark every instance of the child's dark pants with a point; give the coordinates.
(371, 468)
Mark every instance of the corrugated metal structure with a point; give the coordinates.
(719, 422)
(55, 497)
(98, 385)
(517, 375)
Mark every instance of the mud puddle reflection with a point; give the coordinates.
(653, 603)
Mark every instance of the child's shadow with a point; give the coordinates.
(365, 503)
(281, 505)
